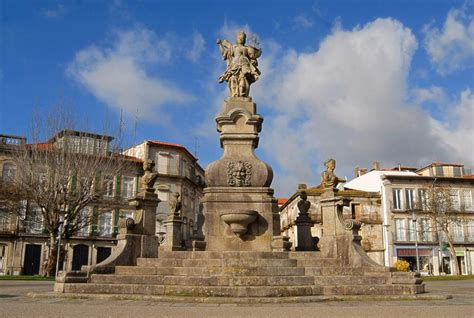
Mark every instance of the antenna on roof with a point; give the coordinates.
(135, 127)
(196, 146)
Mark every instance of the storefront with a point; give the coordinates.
(425, 258)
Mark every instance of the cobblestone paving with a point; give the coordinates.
(15, 303)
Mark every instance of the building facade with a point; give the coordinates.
(409, 231)
(178, 171)
(24, 240)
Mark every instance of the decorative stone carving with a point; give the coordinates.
(239, 174)
(175, 205)
(242, 65)
(303, 204)
(328, 178)
(149, 177)
(239, 220)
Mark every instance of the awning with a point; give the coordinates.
(412, 252)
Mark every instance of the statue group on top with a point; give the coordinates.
(242, 65)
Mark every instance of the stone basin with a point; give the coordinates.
(238, 220)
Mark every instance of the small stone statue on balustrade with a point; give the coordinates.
(328, 179)
(149, 177)
(175, 205)
(305, 241)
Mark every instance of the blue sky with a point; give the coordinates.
(355, 80)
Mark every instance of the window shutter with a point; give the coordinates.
(95, 219)
(118, 187)
(116, 219)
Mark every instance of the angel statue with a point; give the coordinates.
(242, 65)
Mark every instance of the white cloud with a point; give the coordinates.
(59, 10)
(434, 94)
(197, 48)
(302, 22)
(348, 101)
(117, 76)
(457, 131)
(452, 47)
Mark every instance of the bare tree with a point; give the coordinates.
(445, 212)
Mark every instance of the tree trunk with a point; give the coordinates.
(452, 251)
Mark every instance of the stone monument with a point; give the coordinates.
(239, 209)
(304, 240)
(173, 226)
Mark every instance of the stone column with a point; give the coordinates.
(240, 212)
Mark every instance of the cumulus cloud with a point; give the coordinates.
(457, 130)
(452, 47)
(197, 47)
(117, 76)
(347, 100)
(434, 94)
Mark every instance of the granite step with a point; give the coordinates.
(221, 255)
(204, 281)
(169, 262)
(340, 270)
(373, 289)
(211, 271)
(318, 262)
(204, 291)
(350, 280)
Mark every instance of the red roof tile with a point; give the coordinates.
(172, 145)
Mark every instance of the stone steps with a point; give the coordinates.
(204, 281)
(373, 289)
(203, 291)
(211, 271)
(222, 255)
(342, 271)
(180, 262)
(350, 280)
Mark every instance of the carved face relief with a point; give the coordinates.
(239, 174)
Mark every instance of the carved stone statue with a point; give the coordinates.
(303, 204)
(241, 65)
(149, 177)
(175, 204)
(328, 178)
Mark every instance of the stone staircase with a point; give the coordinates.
(246, 274)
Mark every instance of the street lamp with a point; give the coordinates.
(60, 232)
(413, 218)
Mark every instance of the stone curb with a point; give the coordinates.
(243, 300)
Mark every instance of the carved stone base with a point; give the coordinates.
(173, 234)
(258, 236)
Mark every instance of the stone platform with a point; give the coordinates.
(242, 275)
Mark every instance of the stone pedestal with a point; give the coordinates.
(340, 237)
(173, 234)
(304, 240)
(240, 212)
(145, 204)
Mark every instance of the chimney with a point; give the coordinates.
(399, 167)
(376, 165)
(356, 172)
(362, 171)
(302, 186)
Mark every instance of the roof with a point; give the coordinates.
(282, 201)
(372, 181)
(437, 164)
(172, 145)
(68, 132)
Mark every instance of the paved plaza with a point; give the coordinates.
(14, 302)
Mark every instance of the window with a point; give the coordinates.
(397, 200)
(411, 231)
(163, 161)
(422, 199)
(454, 194)
(439, 171)
(105, 224)
(128, 189)
(409, 199)
(8, 172)
(400, 229)
(457, 172)
(424, 230)
(467, 198)
(458, 232)
(83, 220)
(108, 185)
(35, 221)
(470, 230)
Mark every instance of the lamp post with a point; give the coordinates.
(61, 224)
(413, 218)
